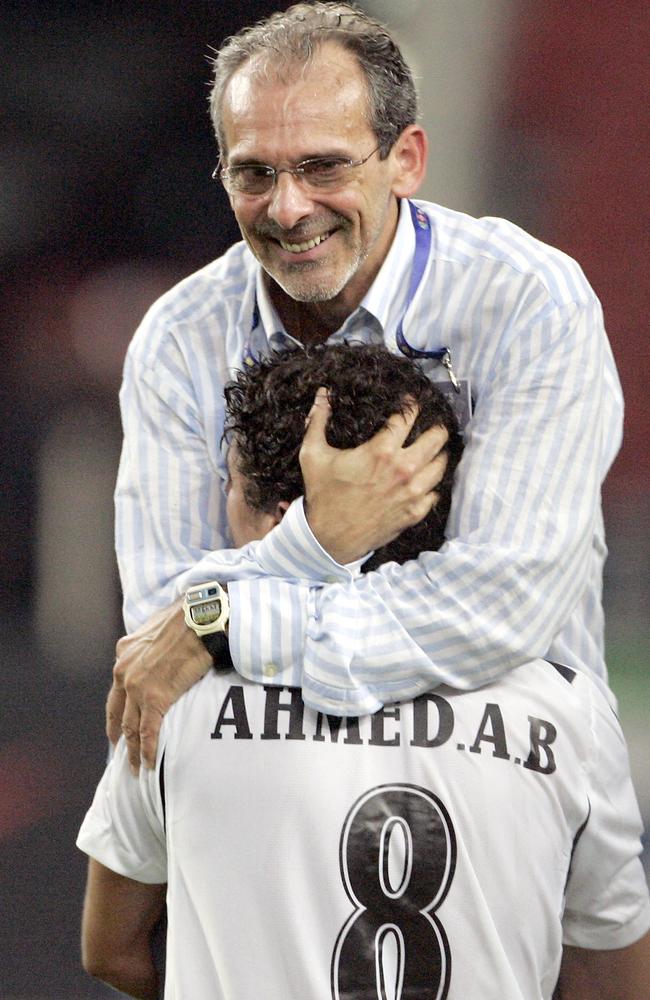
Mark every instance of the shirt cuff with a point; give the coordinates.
(268, 621)
(291, 551)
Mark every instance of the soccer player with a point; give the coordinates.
(429, 850)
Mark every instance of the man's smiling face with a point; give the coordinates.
(317, 245)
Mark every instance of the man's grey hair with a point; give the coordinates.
(289, 39)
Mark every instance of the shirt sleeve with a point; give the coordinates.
(607, 901)
(171, 529)
(170, 510)
(124, 827)
(521, 532)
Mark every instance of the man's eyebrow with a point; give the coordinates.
(248, 161)
(254, 161)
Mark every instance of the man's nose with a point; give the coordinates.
(290, 201)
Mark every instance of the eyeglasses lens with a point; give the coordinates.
(257, 179)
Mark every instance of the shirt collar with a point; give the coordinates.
(386, 296)
(380, 301)
(268, 317)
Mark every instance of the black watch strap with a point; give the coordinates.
(218, 647)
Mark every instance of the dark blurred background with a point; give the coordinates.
(536, 112)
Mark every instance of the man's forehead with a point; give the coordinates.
(264, 94)
(270, 68)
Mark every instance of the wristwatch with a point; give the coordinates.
(207, 610)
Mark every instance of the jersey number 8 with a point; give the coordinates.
(397, 858)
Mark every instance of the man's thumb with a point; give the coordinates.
(316, 420)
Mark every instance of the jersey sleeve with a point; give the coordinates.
(124, 827)
(607, 902)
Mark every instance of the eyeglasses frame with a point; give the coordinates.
(221, 173)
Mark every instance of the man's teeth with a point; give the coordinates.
(303, 247)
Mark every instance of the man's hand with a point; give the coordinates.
(358, 499)
(155, 665)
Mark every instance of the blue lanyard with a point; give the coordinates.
(422, 228)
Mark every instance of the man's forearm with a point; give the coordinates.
(118, 921)
(461, 616)
(133, 974)
(619, 974)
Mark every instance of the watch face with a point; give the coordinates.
(206, 612)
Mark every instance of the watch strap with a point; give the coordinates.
(218, 647)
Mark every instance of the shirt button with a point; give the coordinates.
(270, 670)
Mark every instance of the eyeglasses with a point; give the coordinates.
(319, 173)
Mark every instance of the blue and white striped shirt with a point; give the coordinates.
(521, 573)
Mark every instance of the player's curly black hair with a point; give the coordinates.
(267, 403)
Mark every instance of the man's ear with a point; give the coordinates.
(281, 509)
(409, 156)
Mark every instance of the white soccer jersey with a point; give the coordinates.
(420, 852)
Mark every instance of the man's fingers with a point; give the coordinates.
(398, 426)
(139, 728)
(428, 444)
(317, 418)
(150, 722)
(154, 666)
(114, 712)
(131, 733)
(421, 490)
(430, 475)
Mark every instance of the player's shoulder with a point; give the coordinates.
(581, 702)
(211, 299)
(604, 723)
(564, 696)
(466, 241)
